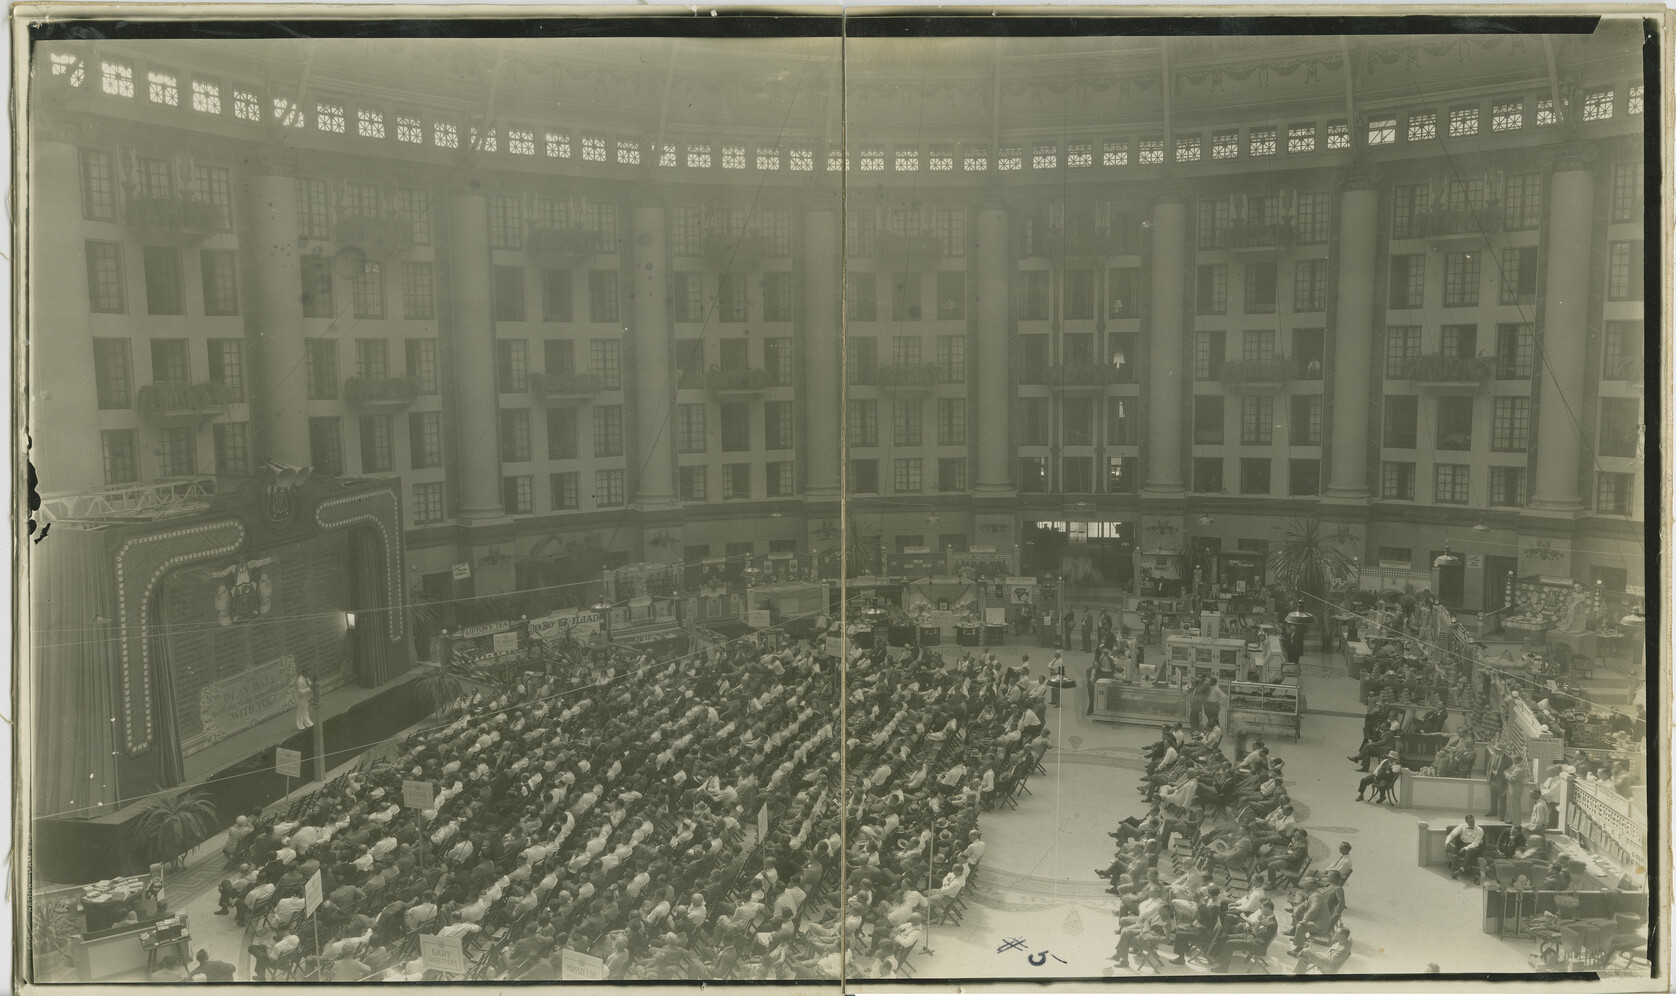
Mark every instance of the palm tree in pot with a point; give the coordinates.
(174, 824)
(1307, 562)
(438, 686)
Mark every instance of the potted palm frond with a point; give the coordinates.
(1443, 370)
(546, 386)
(54, 927)
(173, 824)
(438, 686)
(1307, 562)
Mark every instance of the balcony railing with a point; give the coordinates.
(1433, 223)
(381, 393)
(1259, 235)
(175, 402)
(1442, 371)
(551, 387)
(1082, 376)
(909, 376)
(380, 236)
(172, 214)
(1271, 374)
(562, 243)
(906, 253)
(737, 380)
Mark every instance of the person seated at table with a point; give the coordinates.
(1463, 846)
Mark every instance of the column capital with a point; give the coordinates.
(278, 160)
(1575, 158)
(1364, 178)
(1170, 193)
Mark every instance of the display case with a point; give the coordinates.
(1190, 658)
(1264, 710)
(1123, 702)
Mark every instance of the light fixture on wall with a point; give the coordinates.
(1446, 559)
(931, 519)
(1481, 527)
(1206, 520)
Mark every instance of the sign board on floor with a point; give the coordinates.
(835, 646)
(311, 894)
(506, 643)
(995, 616)
(762, 822)
(442, 954)
(418, 795)
(288, 762)
(759, 618)
(576, 966)
(462, 571)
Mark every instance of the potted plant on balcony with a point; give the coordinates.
(1082, 375)
(739, 254)
(562, 243)
(172, 214)
(360, 391)
(737, 379)
(906, 253)
(1445, 369)
(380, 236)
(1271, 374)
(909, 375)
(547, 385)
(178, 397)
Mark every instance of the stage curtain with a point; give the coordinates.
(374, 664)
(73, 651)
(171, 763)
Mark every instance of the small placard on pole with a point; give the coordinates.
(311, 894)
(762, 822)
(288, 762)
(442, 954)
(576, 966)
(462, 571)
(418, 795)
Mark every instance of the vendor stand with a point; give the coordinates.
(1189, 658)
(1119, 701)
(1265, 710)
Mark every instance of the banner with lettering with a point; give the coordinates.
(233, 704)
(583, 624)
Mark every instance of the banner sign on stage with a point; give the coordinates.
(1021, 591)
(418, 795)
(483, 629)
(582, 623)
(575, 966)
(442, 954)
(506, 643)
(759, 618)
(288, 762)
(225, 707)
(311, 894)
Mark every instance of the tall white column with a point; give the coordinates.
(477, 411)
(822, 354)
(1564, 335)
(1353, 341)
(63, 432)
(282, 431)
(1166, 357)
(654, 367)
(994, 264)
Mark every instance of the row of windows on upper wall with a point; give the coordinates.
(1257, 419)
(688, 302)
(907, 295)
(863, 364)
(1306, 353)
(1509, 423)
(733, 424)
(149, 189)
(176, 452)
(1514, 348)
(1079, 418)
(1470, 206)
(907, 422)
(908, 475)
(1303, 476)
(1251, 220)
(165, 280)
(1452, 484)
(171, 363)
(1463, 278)
(1261, 280)
(332, 116)
(1078, 297)
(779, 480)
(372, 362)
